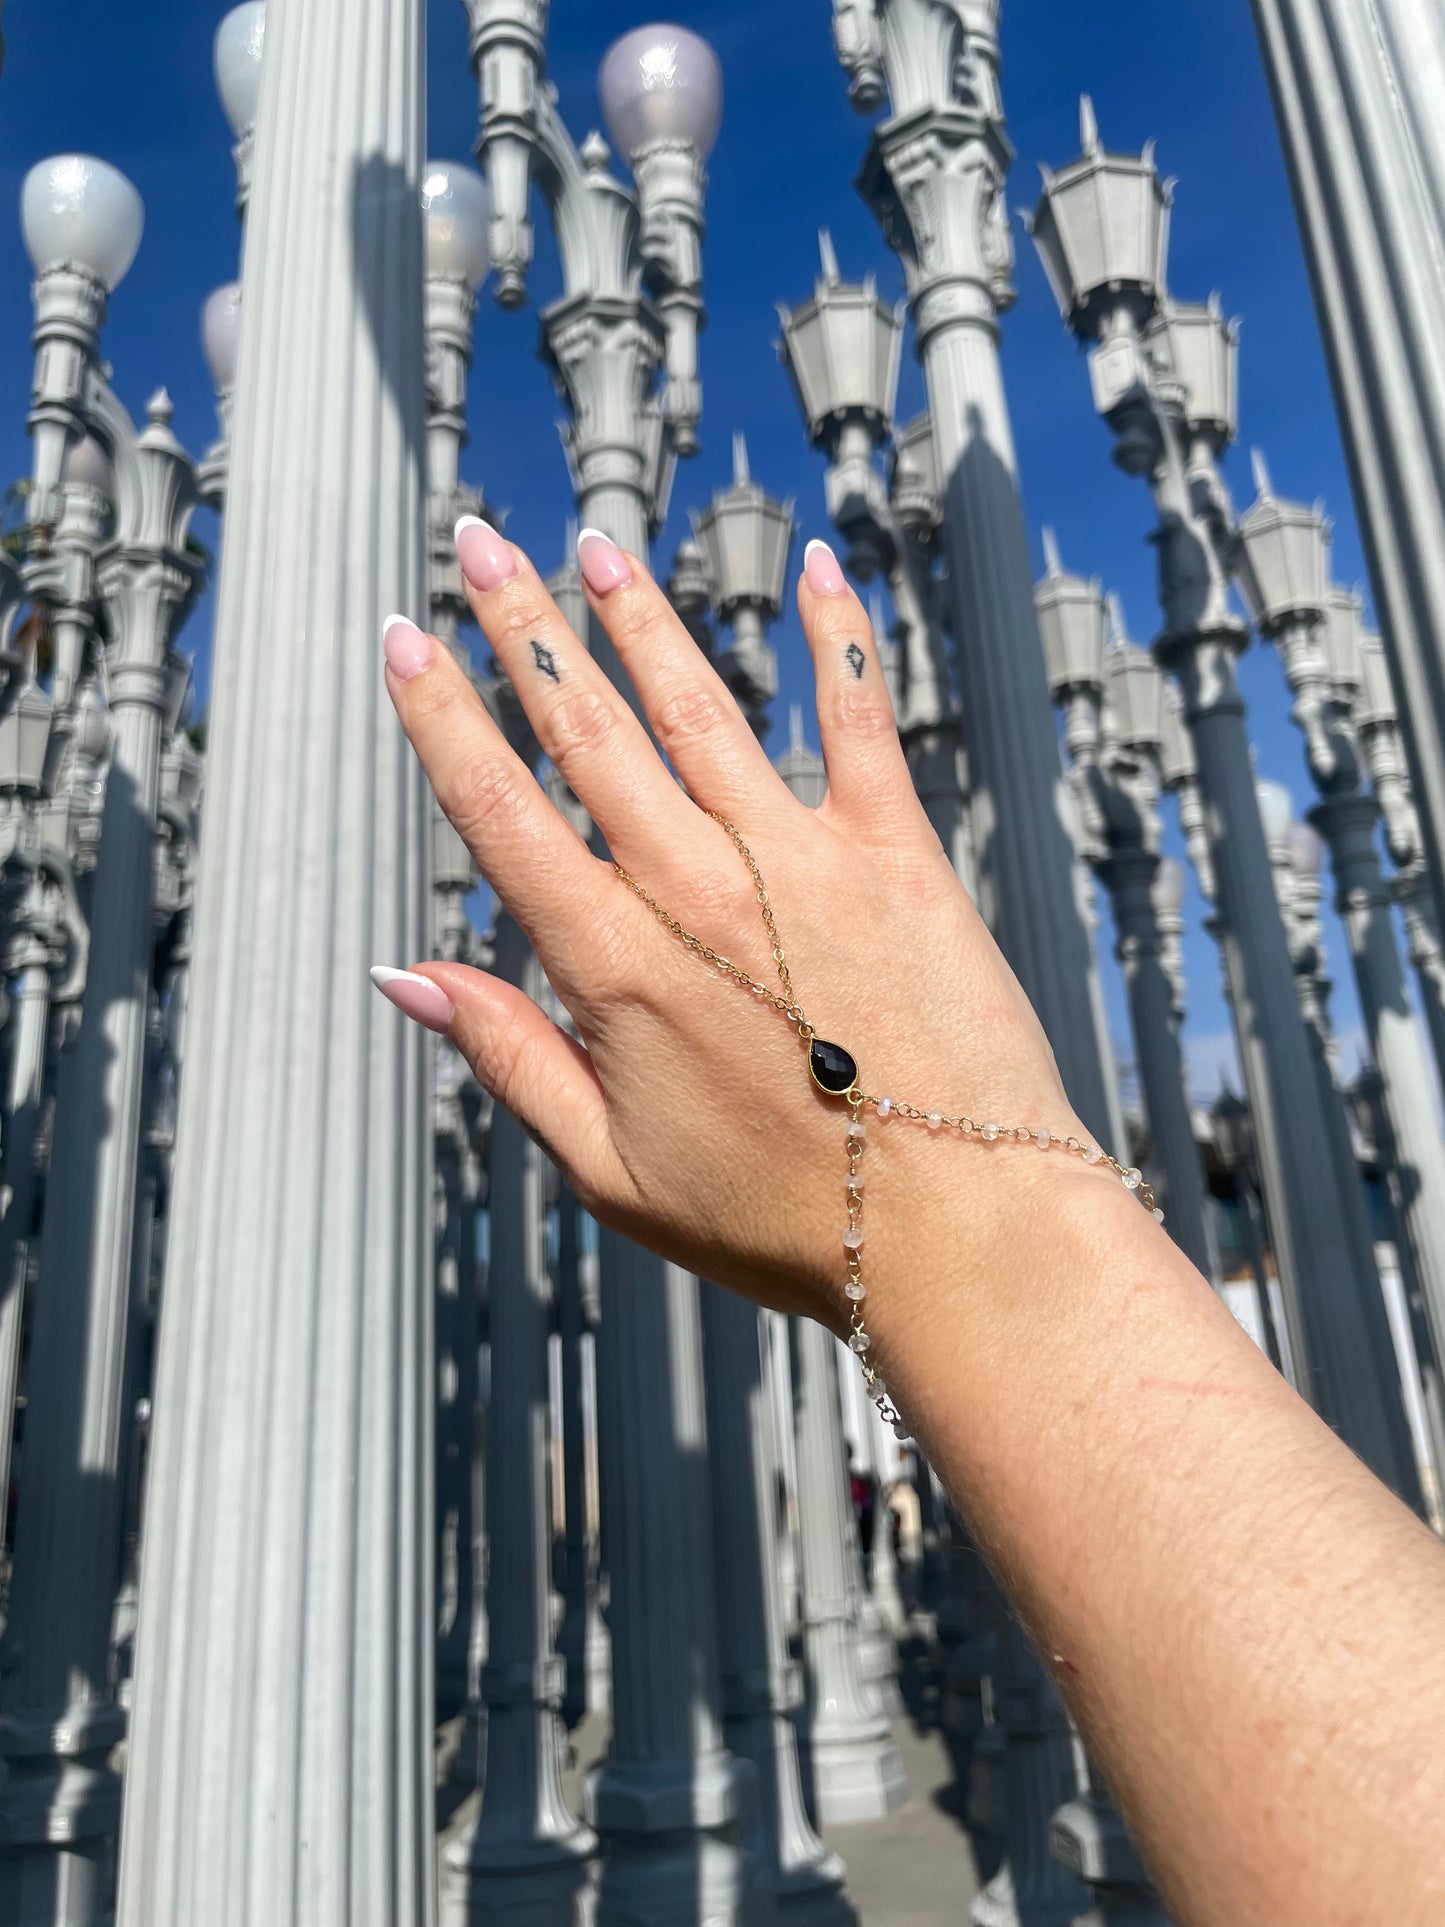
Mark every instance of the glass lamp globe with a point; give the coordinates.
(88, 466)
(661, 83)
(240, 42)
(221, 335)
(79, 212)
(1276, 812)
(1306, 850)
(456, 210)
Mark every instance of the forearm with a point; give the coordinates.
(1245, 1624)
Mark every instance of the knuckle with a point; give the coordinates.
(610, 961)
(719, 902)
(864, 713)
(481, 796)
(693, 713)
(578, 725)
(521, 616)
(435, 694)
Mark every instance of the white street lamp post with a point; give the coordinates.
(934, 176)
(1101, 229)
(1356, 91)
(285, 1611)
(668, 1798)
(1286, 555)
(1115, 758)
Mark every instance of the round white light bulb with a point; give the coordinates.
(240, 42)
(661, 83)
(1276, 810)
(79, 212)
(221, 335)
(456, 210)
(88, 466)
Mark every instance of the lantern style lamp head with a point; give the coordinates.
(1344, 622)
(1136, 697)
(915, 487)
(1170, 887)
(1102, 233)
(25, 736)
(1285, 546)
(1200, 349)
(1177, 762)
(239, 45)
(457, 213)
(82, 213)
(221, 335)
(661, 85)
(92, 731)
(1375, 704)
(745, 536)
(1073, 625)
(842, 350)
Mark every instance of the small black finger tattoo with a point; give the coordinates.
(852, 655)
(546, 662)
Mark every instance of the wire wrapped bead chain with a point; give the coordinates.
(835, 1072)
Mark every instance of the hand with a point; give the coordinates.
(686, 1117)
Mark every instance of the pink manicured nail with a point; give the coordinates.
(604, 566)
(416, 997)
(821, 571)
(487, 561)
(408, 651)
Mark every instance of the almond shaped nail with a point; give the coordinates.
(415, 996)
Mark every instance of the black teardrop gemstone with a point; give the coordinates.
(833, 1069)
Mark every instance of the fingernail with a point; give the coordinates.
(821, 571)
(487, 561)
(416, 997)
(408, 651)
(604, 566)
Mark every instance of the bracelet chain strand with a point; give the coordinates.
(857, 1099)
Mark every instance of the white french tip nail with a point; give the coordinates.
(395, 622)
(384, 974)
(584, 535)
(469, 522)
(816, 543)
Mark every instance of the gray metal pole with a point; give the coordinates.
(524, 1854)
(286, 1617)
(762, 1687)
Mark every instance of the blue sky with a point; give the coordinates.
(133, 83)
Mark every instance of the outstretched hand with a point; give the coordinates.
(685, 1116)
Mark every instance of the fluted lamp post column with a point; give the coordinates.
(1356, 92)
(1286, 570)
(1115, 759)
(285, 1611)
(1101, 229)
(668, 1796)
(934, 176)
(1373, 710)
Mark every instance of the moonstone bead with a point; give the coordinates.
(990, 1130)
(900, 1430)
(876, 1387)
(1158, 1215)
(1043, 1139)
(857, 1130)
(935, 1120)
(885, 1108)
(855, 1183)
(853, 1238)
(1133, 1179)
(859, 1342)
(1092, 1154)
(855, 1290)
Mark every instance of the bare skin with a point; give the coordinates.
(1245, 1624)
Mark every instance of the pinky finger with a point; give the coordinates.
(543, 1077)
